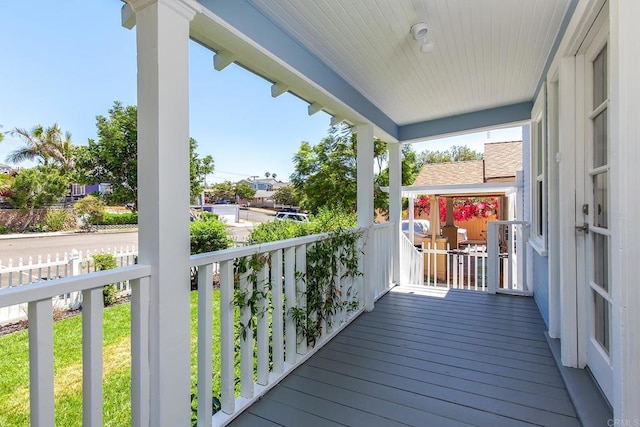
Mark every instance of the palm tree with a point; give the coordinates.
(273, 175)
(267, 174)
(46, 146)
(61, 151)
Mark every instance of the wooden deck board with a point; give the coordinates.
(427, 357)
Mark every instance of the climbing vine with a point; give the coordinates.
(328, 262)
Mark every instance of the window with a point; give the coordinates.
(539, 174)
(78, 190)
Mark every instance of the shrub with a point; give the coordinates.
(118, 218)
(208, 235)
(206, 216)
(4, 230)
(59, 219)
(326, 220)
(106, 262)
(279, 230)
(91, 208)
(333, 219)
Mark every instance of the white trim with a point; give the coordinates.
(395, 203)
(567, 198)
(624, 129)
(480, 188)
(538, 238)
(553, 205)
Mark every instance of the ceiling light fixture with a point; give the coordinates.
(426, 47)
(419, 31)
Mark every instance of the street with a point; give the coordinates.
(50, 245)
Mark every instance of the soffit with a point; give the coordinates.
(487, 53)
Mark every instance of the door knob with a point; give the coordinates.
(584, 228)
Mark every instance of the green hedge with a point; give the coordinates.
(326, 220)
(118, 218)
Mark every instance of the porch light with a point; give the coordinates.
(426, 47)
(419, 31)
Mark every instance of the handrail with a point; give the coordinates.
(51, 288)
(225, 254)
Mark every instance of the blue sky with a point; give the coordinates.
(66, 62)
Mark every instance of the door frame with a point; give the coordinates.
(602, 366)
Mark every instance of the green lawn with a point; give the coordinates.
(14, 368)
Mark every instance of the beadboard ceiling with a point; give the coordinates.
(487, 53)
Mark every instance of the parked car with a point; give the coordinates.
(420, 229)
(292, 216)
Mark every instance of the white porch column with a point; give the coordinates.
(395, 205)
(365, 204)
(412, 214)
(625, 152)
(163, 193)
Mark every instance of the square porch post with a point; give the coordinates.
(365, 206)
(163, 194)
(624, 107)
(395, 205)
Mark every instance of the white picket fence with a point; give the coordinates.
(457, 269)
(498, 267)
(35, 270)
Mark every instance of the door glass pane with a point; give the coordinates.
(600, 139)
(540, 230)
(601, 320)
(540, 153)
(600, 261)
(600, 78)
(600, 208)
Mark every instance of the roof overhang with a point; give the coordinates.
(459, 190)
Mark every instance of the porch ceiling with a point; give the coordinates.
(487, 54)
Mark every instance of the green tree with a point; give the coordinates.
(325, 174)
(286, 196)
(457, 153)
(244, 191)
(199, 168)
(410, 169)
(37, 188)
(47, 146)
(114, 156)
(223, 191)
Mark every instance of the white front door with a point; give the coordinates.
(595, 261)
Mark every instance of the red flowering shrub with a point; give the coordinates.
(464, 208)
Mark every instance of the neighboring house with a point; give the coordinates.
(263, 199)
(265, 189)
(500, 163)
(268, 184)
(7, 169)
(80, 190)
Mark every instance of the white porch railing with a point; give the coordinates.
(271, 325)
(40, 296)
(26, 272)
(506, 243)
(382, 240)
(266, 323)
(411, 263)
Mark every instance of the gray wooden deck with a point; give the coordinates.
(427, 358)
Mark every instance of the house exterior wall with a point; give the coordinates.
(540, 267)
